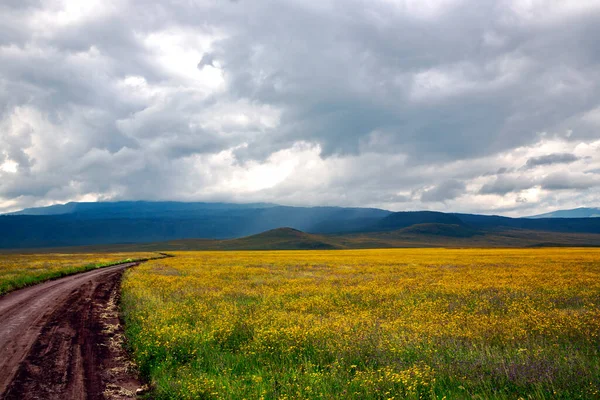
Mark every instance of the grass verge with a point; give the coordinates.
(20, 270)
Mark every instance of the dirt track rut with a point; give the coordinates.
(62, 340)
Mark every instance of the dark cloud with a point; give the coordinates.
(567, 181)
(207, 59)
(347, 78)
(445, 191)
(556, 158)
(503, 185)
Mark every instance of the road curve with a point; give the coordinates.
(57, 336)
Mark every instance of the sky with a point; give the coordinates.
(482, 106)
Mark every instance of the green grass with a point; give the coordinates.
(22, 281)
(21, 270)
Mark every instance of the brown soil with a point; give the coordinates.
(63, 340)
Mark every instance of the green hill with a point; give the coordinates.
(274, 239)
(279, 239)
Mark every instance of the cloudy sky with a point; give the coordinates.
(488, 106)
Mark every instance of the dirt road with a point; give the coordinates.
(62, 340)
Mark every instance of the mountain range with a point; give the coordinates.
(181, 225)
(582, 212)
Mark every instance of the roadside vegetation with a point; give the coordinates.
(20, 270)
(368, 324)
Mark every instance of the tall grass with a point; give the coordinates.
(368, 324)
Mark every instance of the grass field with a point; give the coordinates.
(20, 270)
(368, 324)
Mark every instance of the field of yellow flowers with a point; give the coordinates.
(368, 324)
(20, 270)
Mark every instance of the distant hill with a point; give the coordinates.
(278, 239)
(437, 229)
(492, 222)
(399, 220)
(257, 226)
(434, 235)
(574, 213)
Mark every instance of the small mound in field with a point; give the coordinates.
(282, 239)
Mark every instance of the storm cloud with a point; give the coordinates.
(455, 105)
(557, 158)
(445, 191)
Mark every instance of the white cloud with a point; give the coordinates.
(60, 13)
(9, 166)
(540, 11)
(427, 9)
(177, 52)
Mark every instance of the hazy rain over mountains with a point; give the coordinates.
(453, 105)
